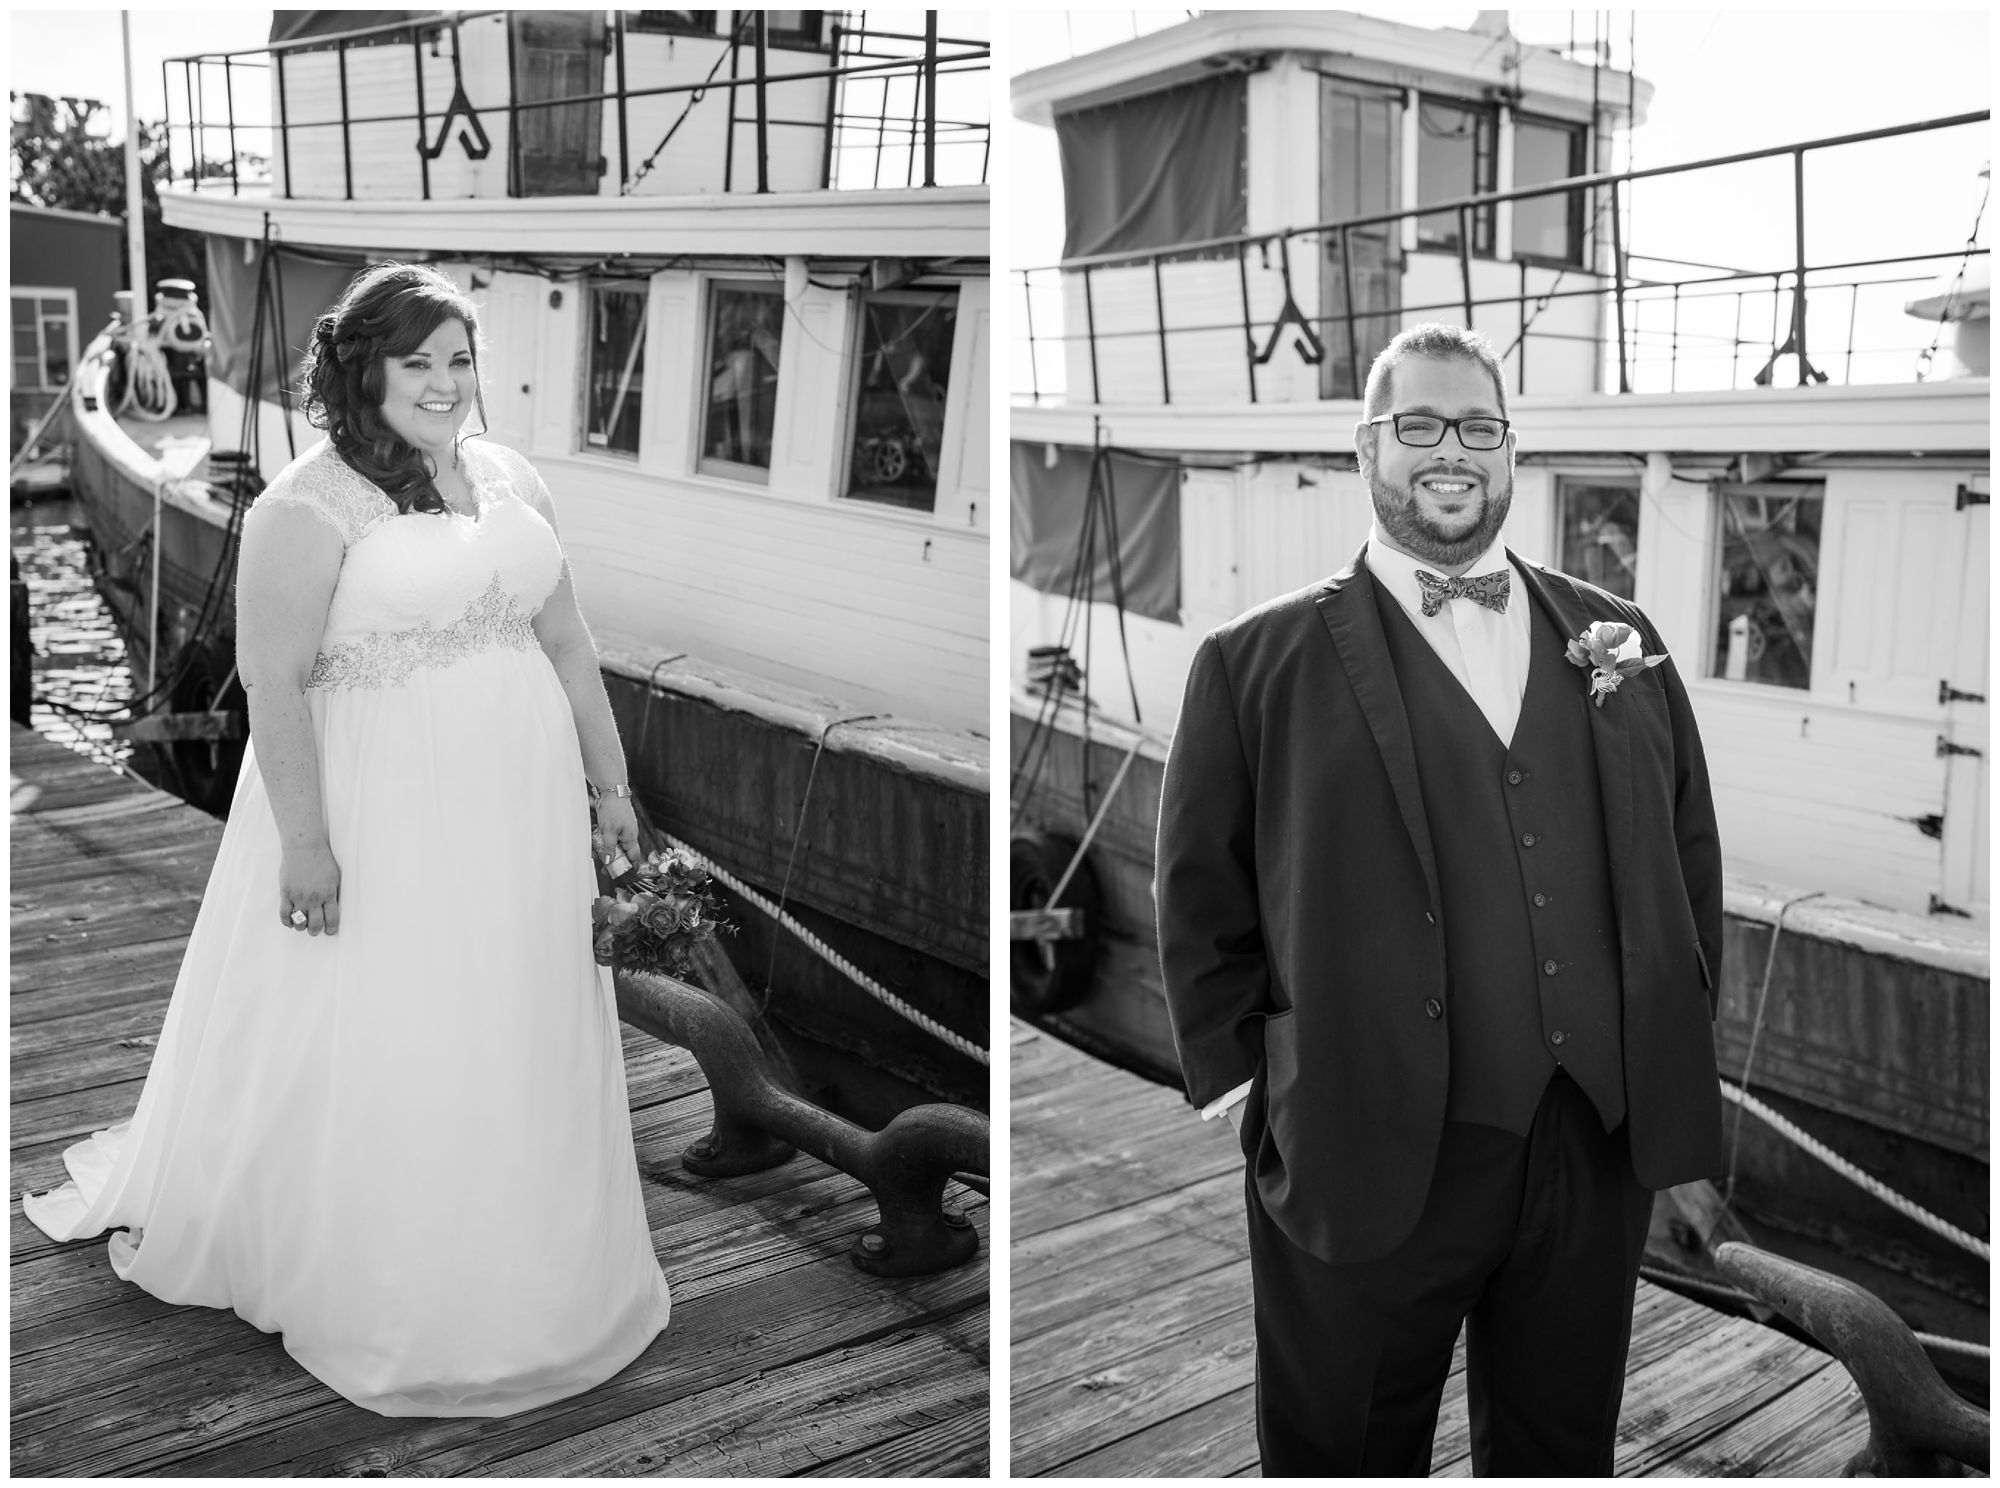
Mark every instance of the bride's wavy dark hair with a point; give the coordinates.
(388, 311)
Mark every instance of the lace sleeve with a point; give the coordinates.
(320, 482)
(526, 482)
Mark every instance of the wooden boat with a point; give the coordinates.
(733, 288)
(1814, 550)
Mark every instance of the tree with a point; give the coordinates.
(61, 156)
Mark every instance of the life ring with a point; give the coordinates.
(1049, 975)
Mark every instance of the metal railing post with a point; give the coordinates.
(515, 184)
(930, 97)
(167, 124)
(762, 33)
(1090, 331)
(1799, 299)
(1618, 286)
(836, 37)
(346, 143)
(1465, 263)
(229, 100)
(1674, 344)
(284, 123)
(1160, 319)
(1521, 342)
(194, 132)
(1347, 310)
(1853, 304)
(423, 123)
(1249, 339)
(618, 40)
(1028, 305)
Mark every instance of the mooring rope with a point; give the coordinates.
(834, 959)
(1676, 1280)
(1812, 1145)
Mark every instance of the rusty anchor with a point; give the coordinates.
(759, 1124)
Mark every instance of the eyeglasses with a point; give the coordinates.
(1426, 430)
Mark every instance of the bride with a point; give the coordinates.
(387, 1112)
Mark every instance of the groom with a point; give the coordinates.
(1440, 936)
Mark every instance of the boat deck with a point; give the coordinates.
(1132, 1342)
(781, 1359)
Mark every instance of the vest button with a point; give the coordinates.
(1433, 1007)
(1514, 777)
(1557, 1037)
(1551, 968)
(1527, 839)
(1540, 900)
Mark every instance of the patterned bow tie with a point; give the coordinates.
(1490, 590)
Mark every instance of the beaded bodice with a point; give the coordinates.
(425, 590)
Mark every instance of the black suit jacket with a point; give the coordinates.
(1301, 929)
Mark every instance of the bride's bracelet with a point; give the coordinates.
(622, 792)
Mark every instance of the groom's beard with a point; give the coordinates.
(1404, 521)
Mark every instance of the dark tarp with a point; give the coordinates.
(310, 289)
(1157, 170)
(1047, 520)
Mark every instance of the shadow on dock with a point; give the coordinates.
(782, 1359)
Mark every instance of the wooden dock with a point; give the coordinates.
(1132, 1344)
(782, 1359)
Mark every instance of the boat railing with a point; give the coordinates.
(879, 119)
(1201, 321)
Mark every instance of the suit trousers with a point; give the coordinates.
(1532, 1243)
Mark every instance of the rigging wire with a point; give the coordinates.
(1929, 353)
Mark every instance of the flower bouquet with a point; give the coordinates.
(651, 917)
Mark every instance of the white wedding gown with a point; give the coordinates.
(407, 1146)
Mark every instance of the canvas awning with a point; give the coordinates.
(1051, 487)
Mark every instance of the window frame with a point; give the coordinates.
(1484, 220)
(713, 466)
(1714, 654)
(1566, 484)
(35, 294)
(580, 439)
(851, 397)
(1579, 154)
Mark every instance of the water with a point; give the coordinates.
(79, 659)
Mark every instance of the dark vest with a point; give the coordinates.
(1530, 931)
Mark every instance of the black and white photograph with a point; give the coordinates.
(499, 770)
(1497, 670)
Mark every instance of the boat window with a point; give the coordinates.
(904, 363)
(1455, 158)
(671, 22)
(614, 366)
(746, 327)
(783, 27)
(1361, 136)
(1769, 585)
(44, 324)
(1598, 524)
(1549, 228)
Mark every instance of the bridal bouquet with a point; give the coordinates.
(651, 917)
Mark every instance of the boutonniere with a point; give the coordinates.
(1610, 652)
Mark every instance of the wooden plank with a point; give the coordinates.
(781, 1356)
(788, 1421)
(1133, 1348)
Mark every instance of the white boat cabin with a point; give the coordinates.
(1815, 556)
(758, 394)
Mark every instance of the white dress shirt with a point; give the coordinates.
(1487, 651)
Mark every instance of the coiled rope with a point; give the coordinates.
(1812, 1145)
(834, 959)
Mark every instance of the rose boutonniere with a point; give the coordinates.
(1610, 652)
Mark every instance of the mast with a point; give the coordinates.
(135, 198)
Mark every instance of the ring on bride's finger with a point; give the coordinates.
(298, 917)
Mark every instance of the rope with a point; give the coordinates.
(1757, 1027)
(1816, 1148)
(834, 959)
